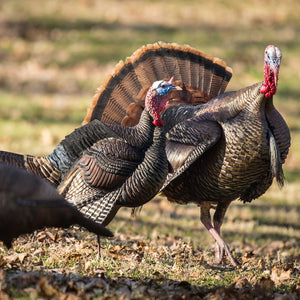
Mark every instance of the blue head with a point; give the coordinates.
(157, 98)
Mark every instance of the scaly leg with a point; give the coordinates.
(218, 221)
(221, 246)
(99, 246)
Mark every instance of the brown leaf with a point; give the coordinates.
(115, 251)
(46, 289)
(57, 236)
(159, 276)
(11, 259)
(261, 264)
(87, 264)
(2, 261)
(75, 256)
(21, 256)
(41, 236)
(284, 275)
(195, 275)
(248, 255)
(69, 296)
(51, 236)
(4, 296)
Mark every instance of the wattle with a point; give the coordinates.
(269, 88)
(158, 122)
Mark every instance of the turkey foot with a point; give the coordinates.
(221, 248)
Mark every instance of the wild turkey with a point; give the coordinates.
(125, 171)
(125, 163)
(209, 75)
(28, 203)
(230, 147)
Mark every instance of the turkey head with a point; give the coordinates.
(271, 68)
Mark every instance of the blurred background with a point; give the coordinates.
(55, 54)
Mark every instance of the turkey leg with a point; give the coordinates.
(221, 247)
(218, 221)
(99, 246)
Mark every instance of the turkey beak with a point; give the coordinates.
(176, 88)
(274, 67)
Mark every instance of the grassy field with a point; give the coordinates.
(53, 57)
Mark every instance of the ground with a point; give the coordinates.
(53, 57)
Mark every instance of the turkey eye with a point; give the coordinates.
(163, 86)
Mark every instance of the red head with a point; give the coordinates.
(271, 69)
(157, 98)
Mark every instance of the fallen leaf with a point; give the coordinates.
(69, 296)
(21, 256)
(15, 257)
(261, 264)
(41, 236)
(115, 251)
(51, 236)
(4, 296)
(46, 289)
(2, 261)
(87, 264)
(11, 258)
(284, 275)
(74, 256)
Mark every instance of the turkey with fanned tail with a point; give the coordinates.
(200, 76)
(127, 170)
(222, 146)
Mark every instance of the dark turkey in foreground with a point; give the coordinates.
(230, 147)
(125, 171)
(28, 203)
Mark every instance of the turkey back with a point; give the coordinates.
(120, 100)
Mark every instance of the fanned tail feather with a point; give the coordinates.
(38, 165)
(202, 76)
(42, 167)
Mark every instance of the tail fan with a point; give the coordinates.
(37, 165)
(120, 100)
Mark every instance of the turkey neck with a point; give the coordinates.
(66, 153)
(220, 108)
(139, 136)
(229, 105)
(251, 102)
(149, 176)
